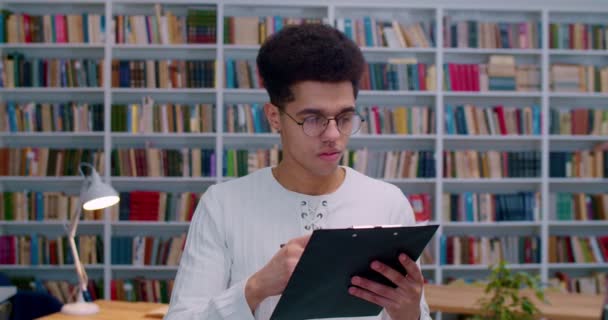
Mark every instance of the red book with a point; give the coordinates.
(453, 79)
(27, 28)
(475, 68)
(500, 112)
(422, 76)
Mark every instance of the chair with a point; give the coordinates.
(23, 301)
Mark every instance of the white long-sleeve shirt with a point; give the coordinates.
(239, 225)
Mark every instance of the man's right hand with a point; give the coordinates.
(272, 279)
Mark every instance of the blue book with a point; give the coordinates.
(12, 117)
(449, 120)
(85, 27)
(443, 259)
(469, 214)
(39, 206)
(230, 83)
(536, 120)
(348, 28)
(369, 36)
(34, 250)
(278, 23)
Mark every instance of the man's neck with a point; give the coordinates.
(300, 181)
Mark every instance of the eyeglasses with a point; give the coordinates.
(348, 123)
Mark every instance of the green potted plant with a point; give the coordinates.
(503, 300)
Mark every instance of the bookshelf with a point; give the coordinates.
(436, 98)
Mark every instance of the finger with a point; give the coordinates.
(377, 288)
(301, 241)
(413, 271)
(391, 274)
(371, 297)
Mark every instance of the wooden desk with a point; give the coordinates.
(113, 310)
(463, 300)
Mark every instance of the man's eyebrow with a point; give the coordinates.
(318, 111)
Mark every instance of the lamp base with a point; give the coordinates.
(80, 308)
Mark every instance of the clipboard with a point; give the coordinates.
(318, 287)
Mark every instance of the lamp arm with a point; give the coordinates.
(80, 271)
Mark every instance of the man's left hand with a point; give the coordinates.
(402, 302)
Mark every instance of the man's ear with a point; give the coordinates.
(273, 116)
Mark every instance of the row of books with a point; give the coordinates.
(141, 290)
(578, 164)
(242, 74)
(399, 74)
(64, 291)
(246, 118)
(578, 36)
(238, 163)
(397, 120)
(250, 30)
(147, 250)
(578, 78)
(157, 206)
(391, 164)
(596, 283)
(198, 25)
(578, 121)
(491, 164)
(163, 73)
(18, 71)
(580, 206)
(459, 250)
(487, 207)
(49, 162)
(18, 27)
(149, 117)
(497, 120)
(491, 35)
(153, 162)
(478, 77)
(373, 32)
(42, 250)
(42, 206)
(578, 249)
(51, 117)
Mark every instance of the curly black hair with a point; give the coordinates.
(308, 52)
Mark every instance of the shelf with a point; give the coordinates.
(164, 140)
(185, 95)
(493, 142)
(69, 185)
(146, 268)
(52, 94)
(386, 50)
(589, 185)
(578, 266)
(169, 184)
(491, 185)
(502, 228)
(530, 52)
(53, 46)
(579, 95)
(489, 225)
(164, 46)
(245, 96)
(573, 52)
(139, 227)
(47, 268)
(471, 267)
(241, 47)
(493, 94)
(428, 267)
(574, 142)
(52, 139)
(245, 140)
(579, 223)
(393, 142)
(580, 228)
(50, 227)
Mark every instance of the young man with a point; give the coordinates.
(233, 265)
